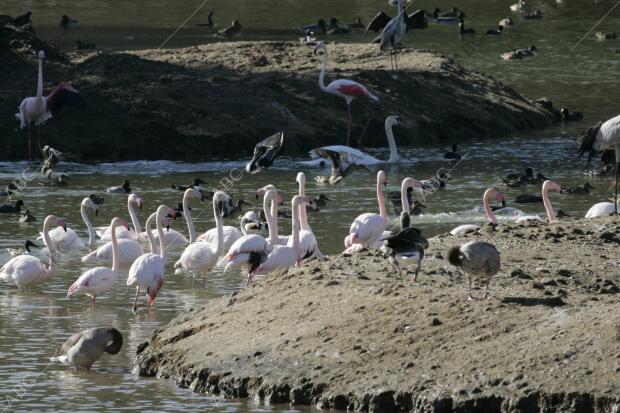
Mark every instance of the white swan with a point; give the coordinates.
(70, 241)
(122, 232)
(148, 270)
(100, 279)
(547, 185)
(368, 228)
(350, 155)
(24, 271)
(200, 257)
(602, 209)
(467, 228)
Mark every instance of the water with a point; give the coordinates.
(33, 323)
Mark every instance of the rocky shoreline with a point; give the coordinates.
(220, 99)
(346, 333)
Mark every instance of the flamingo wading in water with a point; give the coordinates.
(344, 88)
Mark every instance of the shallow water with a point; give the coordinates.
(33, 323)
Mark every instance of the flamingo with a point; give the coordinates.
(201, 257)
(231, 234)
(148, 270)
(347, 155)
(285, 256)
(393, 33)
(601, 209)
(83, 349)
(344, 88)
(100, 279)
(547, 185)
(467, 228)
(600, 137)
(307, 240)
(477, 259)
(25, 271)
(122, 232)
(367, 228)
(128, 250)
(68, 240)
(38, 109)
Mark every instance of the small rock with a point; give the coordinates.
(436, 322)
(564, 272)
(537, 286)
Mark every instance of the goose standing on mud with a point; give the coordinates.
(478, 259)
(68, 240)
(551, 215)
(24, 271)
(368, 228)
(600, 137)
(348, 155)
(38, 109)
(265, 153)
(467, 228)
(100, 279)
(83, 349)
(148, 270)
(344, 88)
(121, 189)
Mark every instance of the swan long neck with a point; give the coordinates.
(53, 253)
(394, 156)
(380, 199)
(160, 231)
(487, 205)
(273, 224)
(547, 203)
(115, 260)
(323, 70)
(89, 226)
(149, 233)
(303, 213)
(188, 217)
(40, 80)
(134, 218)
(219, 225)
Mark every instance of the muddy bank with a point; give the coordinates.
(346, 333)
(220, 99)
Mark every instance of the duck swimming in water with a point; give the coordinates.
(579, 190)
(465, 30)
(454, 154)
(12, 209)
(568, 116)
(528, 199)
(122, 189)
(27, 217)
(495, 32)
(194, 185)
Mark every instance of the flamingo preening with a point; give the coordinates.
(38, 109)
(601, 137)
(344, 88)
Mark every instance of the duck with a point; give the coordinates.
(83, 349)
(454, 154)
(194, 185)
(440, 18)
(578, 190)
(568, 116)
(528, 199)
(233, 209)
(406, 247)
(122, 189)
(14, 252)
(27, 217)
(455, 12)
(66, 21)
(495, 32)
(319, 27)
(62, 180)
(529, 174)
(334, 28)
(23, 19)
(339, 169)
(517, 6)
(265, 153)
(231, 32)
(321, 200)
(12, 209)
(536, 14)
(8, 190)
(506, 22)
(520, 53)
(606, 36)
(465, 30)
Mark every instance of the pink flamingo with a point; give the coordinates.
(486, 202)
(346, 89)
(38, 109)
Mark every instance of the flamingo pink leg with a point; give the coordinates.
(370, 116)
(93, 300)
(135, 301)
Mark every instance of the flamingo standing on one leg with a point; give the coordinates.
(38, 109)
(344, 88)
(599, 138)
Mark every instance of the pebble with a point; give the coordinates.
(436, 322)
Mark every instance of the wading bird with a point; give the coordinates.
(344, 88)
(551, 214)
(83, 349)
(467, 228)
(392, 35)
(599, 138)
(38, 109)
(478, 259)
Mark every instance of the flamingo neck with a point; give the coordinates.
(381, 200)
(547, 204)
(40, 81)
(295, 225)
(273, 224)
(149, 233)
(91, 230)
(303, 213)
(219, 226)
(160, 232)
(323, 70)
(394, 156)
(134, 217)
(487, 207)
(115, 260)
(188, 217)
(53, 253)
(242, 224)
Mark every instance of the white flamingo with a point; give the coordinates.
(285, 256)
(100, 279)
(200, 257)
(349, 155)
(601, 209)
(547, 185)
(148, 270)
(128, 250)
(486, 198)
(122, 232)
(307, 241)
(24, 271)
(69, 240)
(250, 221)
(368, 228)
